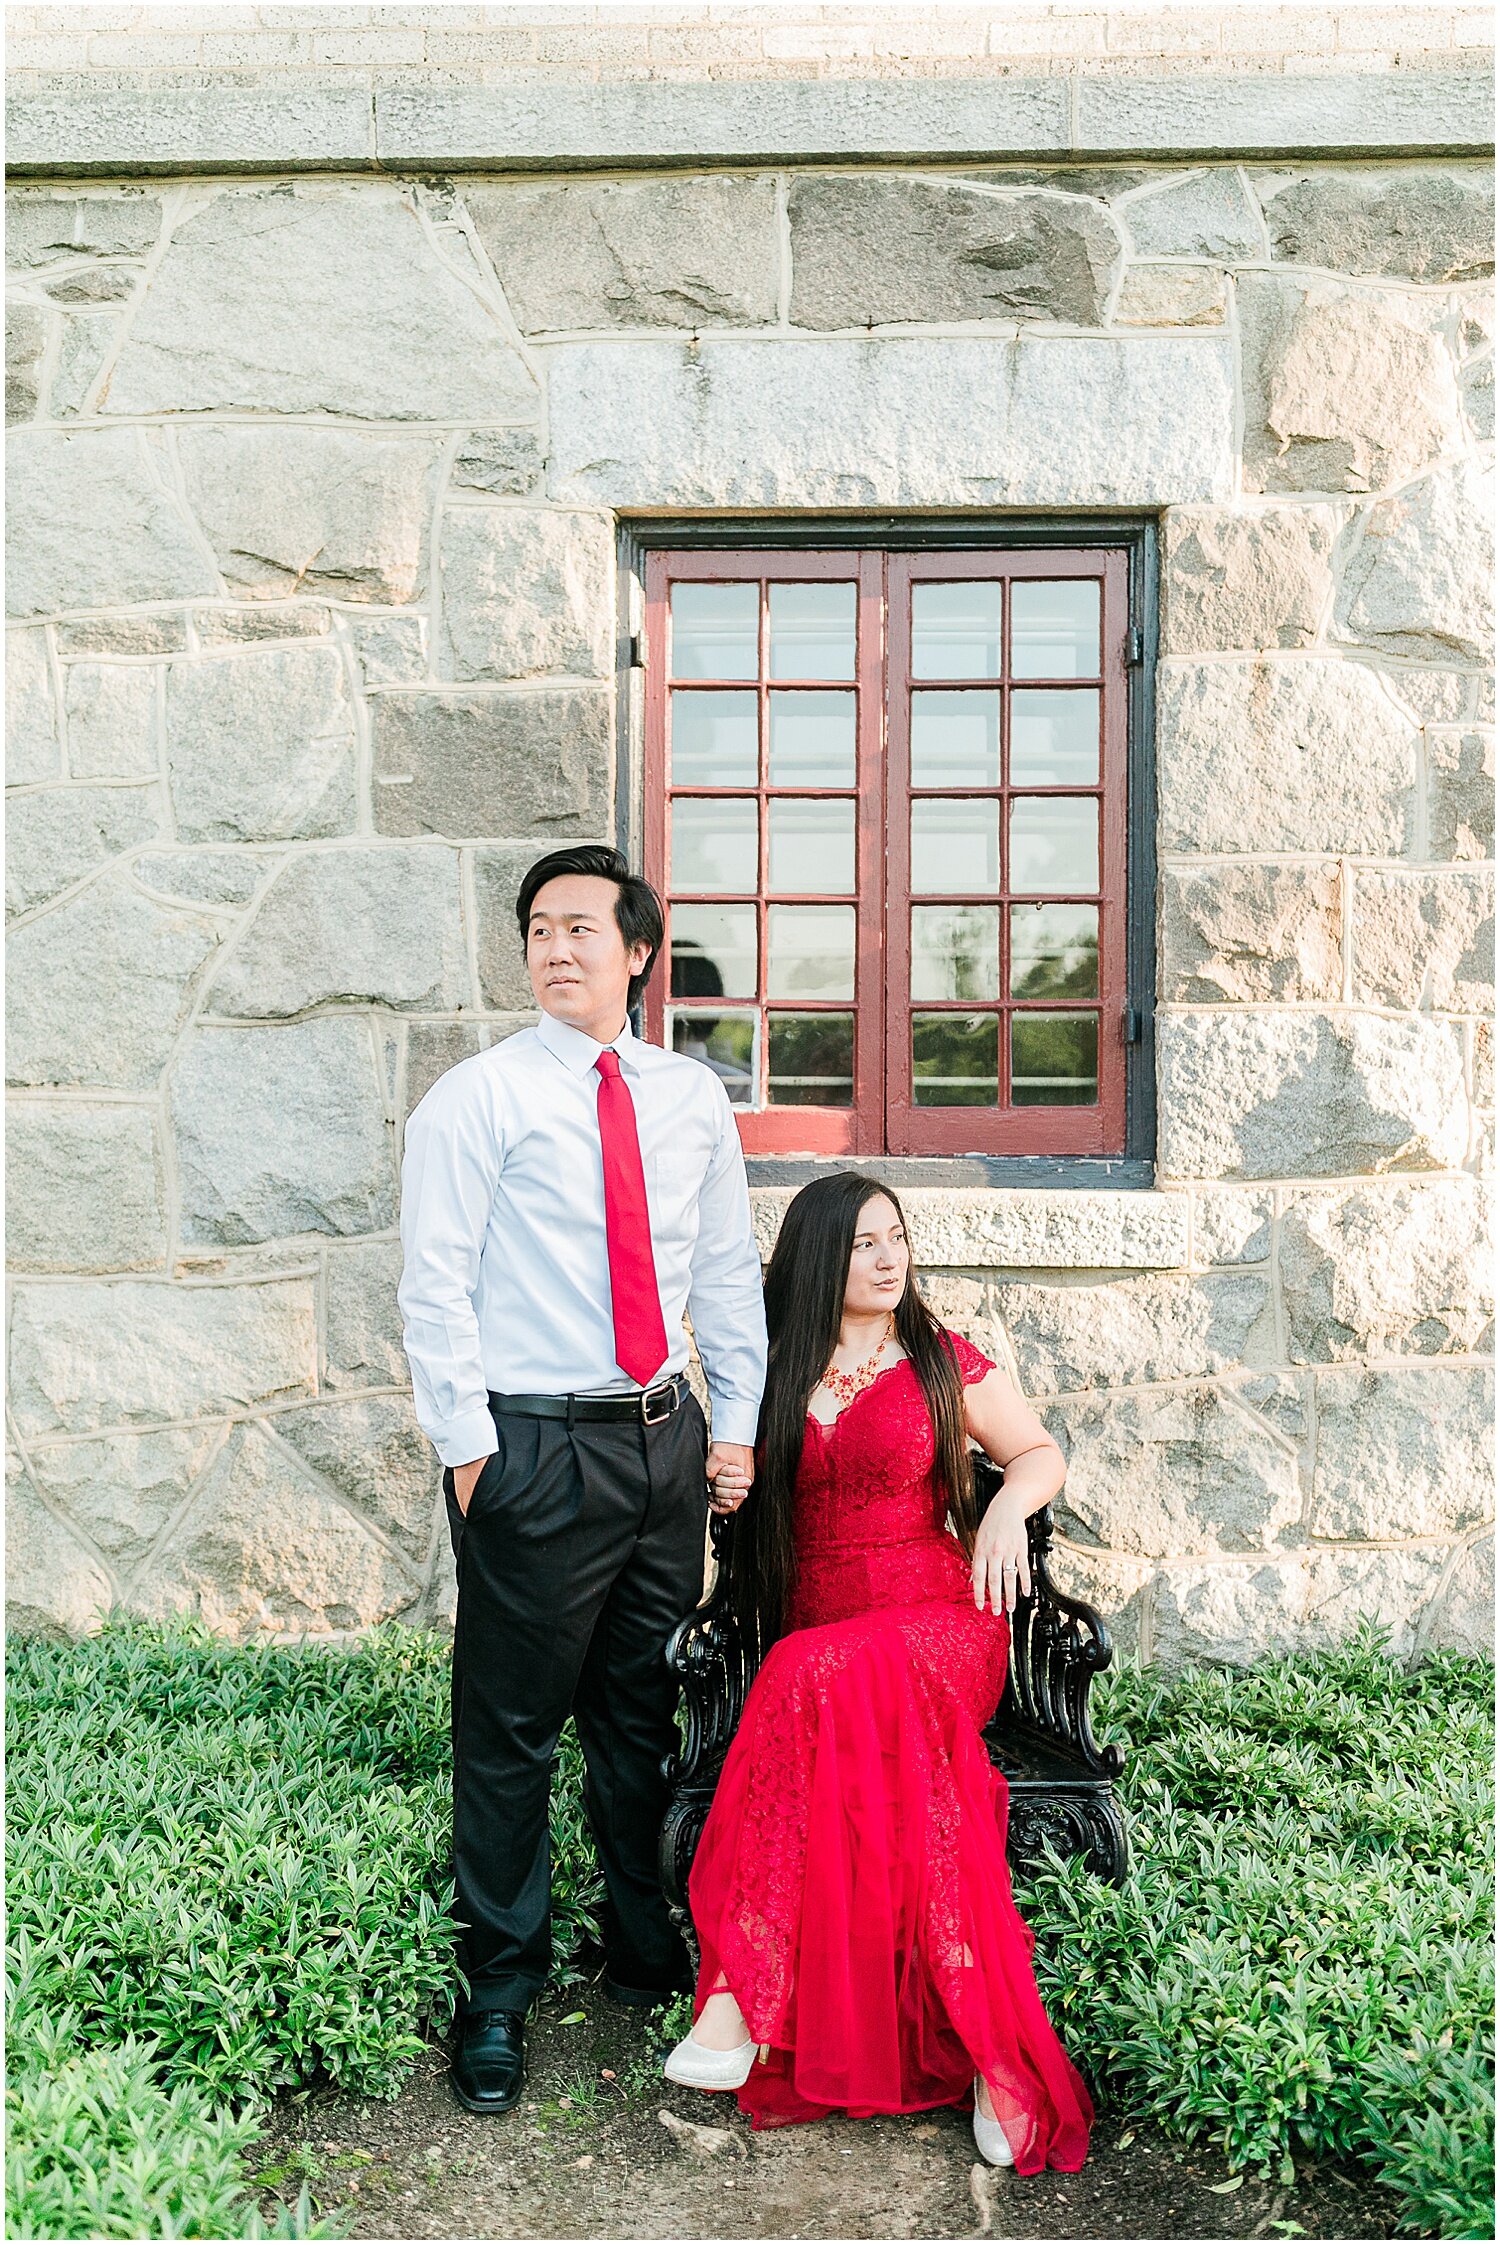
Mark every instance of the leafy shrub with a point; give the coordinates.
(97, 2147)
(228, 1871)
(1301, 1960)
(233, 1853)
(1441, 2157)
(228, 1874)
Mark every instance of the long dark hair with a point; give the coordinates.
(805, 1286)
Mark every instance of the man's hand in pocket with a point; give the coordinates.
(464, 1478)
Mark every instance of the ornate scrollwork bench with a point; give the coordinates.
(1061, 1780)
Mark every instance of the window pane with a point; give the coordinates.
(812, 631)
(811, 848)
(1054, 951)
(1054, 844)
(955, 740)
(954, 846)
(811, 1059)
(713, 740)
(715, 846)
(713, 950)
(955, 631)
(812, 740)
(1054, 738)
(955, 953)
(724, 1042)
(716, 631)
(1054, 629)
(1054, 1059)
(955, 1060)
(810, 951)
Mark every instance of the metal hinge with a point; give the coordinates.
(1135, 646)
(635, 660)
(1133, 1025)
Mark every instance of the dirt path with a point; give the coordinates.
(586, 2155)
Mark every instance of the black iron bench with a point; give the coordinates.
(1061, 1780)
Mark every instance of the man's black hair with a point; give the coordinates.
(638, 908)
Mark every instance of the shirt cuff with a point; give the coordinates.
(463, 1440)
(734, 1421)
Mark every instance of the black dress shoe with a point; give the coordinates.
(489, 2065)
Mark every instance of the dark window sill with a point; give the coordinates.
(1032, 1171)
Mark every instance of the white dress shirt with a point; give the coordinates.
(506, 1277)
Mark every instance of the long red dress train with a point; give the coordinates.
(851, 1887)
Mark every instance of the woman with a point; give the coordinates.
(861, 1948)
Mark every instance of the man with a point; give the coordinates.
(565, 1197)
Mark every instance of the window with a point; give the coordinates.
(886, 803)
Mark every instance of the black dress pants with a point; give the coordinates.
(581, 1551)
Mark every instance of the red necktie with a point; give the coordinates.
(640, 1335)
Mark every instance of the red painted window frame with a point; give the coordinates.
(1100, 1127)
(883, 1118)
(779, 1130)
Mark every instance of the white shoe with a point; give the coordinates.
(698, 2068)
(990, 2138)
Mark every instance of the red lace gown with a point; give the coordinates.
(851, 1887)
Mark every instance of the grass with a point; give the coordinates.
(228, 1875)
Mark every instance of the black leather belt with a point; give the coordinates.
(650, 1407)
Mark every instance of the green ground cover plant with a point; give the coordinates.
(98, 2147)
(229, 1875)
(1301, 1962)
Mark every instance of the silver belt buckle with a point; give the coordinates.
(652, 1418)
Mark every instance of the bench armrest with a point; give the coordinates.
(708, 1655)
(1058, 1645)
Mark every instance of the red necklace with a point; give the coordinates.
(847, 1385)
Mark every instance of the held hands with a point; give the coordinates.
(1001, 1563)
(730, 1467)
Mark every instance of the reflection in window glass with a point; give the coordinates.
(812, 740)
(810, 951)
(713, 740)
(1054, 1059)
(955, 740)
(955, 1059)
(955, 631)
(713, 950)
(812, 631)
(715, 845)
(810, 1059)
(955, 846)
(811, 847)
(715, 631)
(1054, 738)
(724, 1042)
(1054, 629)
(955, 951)
(1054, 843)
(1054, 951)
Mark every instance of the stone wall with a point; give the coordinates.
(690, 43)
(311, 556)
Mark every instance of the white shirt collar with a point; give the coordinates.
(578, 1051)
